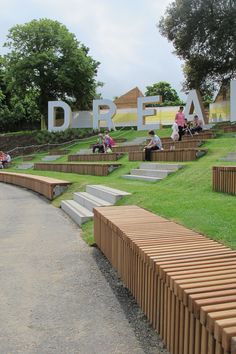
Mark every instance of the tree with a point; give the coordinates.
(47, 62)
(203, 33)
(164, 89)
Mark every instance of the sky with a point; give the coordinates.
(122, 35)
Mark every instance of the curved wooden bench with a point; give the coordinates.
(83, 169)
(224, 179)
(184, 282)
(49, 187)
(95, 157)
(178, 155)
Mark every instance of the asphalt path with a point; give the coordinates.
(54, 295)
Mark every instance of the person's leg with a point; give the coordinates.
(180, 132)
(96, 146)
(147, 154)
(198, 129)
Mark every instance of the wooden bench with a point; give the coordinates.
(204, 135)
(184, 282)
(49, 187)
(179, 155)
(82, 169)
(230, 129)
(96, 157)
(193, 143)
(224, 179)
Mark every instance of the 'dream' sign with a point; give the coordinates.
(193, 106)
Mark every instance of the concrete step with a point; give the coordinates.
(77, 212)
(160, 166)
(51, 158)
(150, 173)
(111, 195)
(142, 178)
(89, 201)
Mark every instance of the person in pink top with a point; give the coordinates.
(180, 121)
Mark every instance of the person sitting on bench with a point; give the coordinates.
(154, 144)
(5, 159)
(197, 125)
(100, 144)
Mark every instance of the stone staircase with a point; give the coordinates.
(152, 172)
(231, 157)
(80, 209)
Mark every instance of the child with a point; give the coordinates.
(175, 132)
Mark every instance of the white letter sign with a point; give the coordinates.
(52, 105)
(143, 113)
(97, 116)
(194, 106)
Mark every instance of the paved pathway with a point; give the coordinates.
(54, 297)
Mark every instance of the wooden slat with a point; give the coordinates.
(177, 155)
(183, 282)
(224, 179)
(43, 185)
(83, 169)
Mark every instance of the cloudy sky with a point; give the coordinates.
(122, 35)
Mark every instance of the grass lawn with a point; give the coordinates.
(185, 197)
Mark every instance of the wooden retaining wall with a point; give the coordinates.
(193, 143)
(96, 157)
(230, 129)
(183, 282)
(82, 169)
(224, 179)
(205, 135)
(179, 155)
(49, 187)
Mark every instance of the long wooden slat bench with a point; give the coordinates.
(230, 129)
(184, 282)
(224, 179)
(83, 169)
(96, 157)
(49, 187)
(179, 155)
(204, 135)
(166, 145)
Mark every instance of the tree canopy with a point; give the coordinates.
(203, 33)
(46, 62)
(164, 89)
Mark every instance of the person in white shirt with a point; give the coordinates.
(154, 144)
(197, 125)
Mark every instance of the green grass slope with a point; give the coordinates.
(185, 197)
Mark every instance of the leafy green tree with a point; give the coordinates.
(203, 33)
(164, 89)
(46, 62)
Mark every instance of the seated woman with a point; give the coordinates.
(108, 142)
(100, 146)
(197, 125)
(154, 144)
